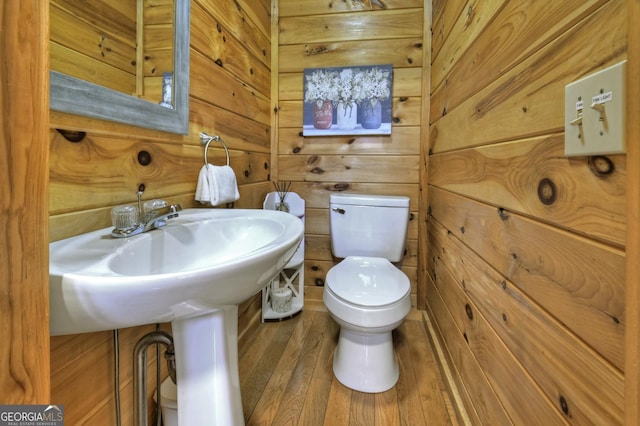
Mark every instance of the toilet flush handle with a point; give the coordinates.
(338, 210)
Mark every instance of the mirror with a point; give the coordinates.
(76, 96)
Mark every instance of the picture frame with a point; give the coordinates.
(354, 100)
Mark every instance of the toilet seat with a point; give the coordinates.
(367, 282)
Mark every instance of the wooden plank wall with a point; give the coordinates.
(95, 42)
(24, 264)
(526, 262)
(337, 33)
(230, 94)
(632, 311)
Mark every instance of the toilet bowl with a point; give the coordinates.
(368, 297)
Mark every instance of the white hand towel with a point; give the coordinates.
(217, 185)
(203, 192)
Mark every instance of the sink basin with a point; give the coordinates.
(202, 260)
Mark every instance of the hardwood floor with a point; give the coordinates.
(286, 378)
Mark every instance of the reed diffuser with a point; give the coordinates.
(282, 188)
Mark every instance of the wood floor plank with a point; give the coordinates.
(362, 409)
(286, 377)
(338, 405)
(298, 386)
(269, 402)
(387, 412)
(257, 363)
(313, 412)
(259, 339)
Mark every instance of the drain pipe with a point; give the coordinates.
(140, 371)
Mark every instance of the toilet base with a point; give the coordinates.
(365, 362)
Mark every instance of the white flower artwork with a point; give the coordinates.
(347, 100)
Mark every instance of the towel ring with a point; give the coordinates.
(206, 139)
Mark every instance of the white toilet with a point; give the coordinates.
(365, 293)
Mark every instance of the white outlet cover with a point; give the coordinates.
(599, 134)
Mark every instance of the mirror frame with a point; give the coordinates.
(75, 96)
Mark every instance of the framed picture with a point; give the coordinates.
(347, 100)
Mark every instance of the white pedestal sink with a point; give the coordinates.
(192, 273)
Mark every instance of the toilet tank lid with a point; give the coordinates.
(370, 200)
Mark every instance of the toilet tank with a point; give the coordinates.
(368, 225)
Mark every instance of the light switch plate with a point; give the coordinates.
(599, 99)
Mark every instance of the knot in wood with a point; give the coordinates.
(72, 135)
(547, 191)
(504, 215)
(564, 406)
(601, 165)
(469, 312)
(338, 187)
(144, 158)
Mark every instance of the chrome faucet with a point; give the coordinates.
(127, 220)
(157, 217)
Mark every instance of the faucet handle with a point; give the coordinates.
(152, 205)
(124, 218)
(126, 221)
